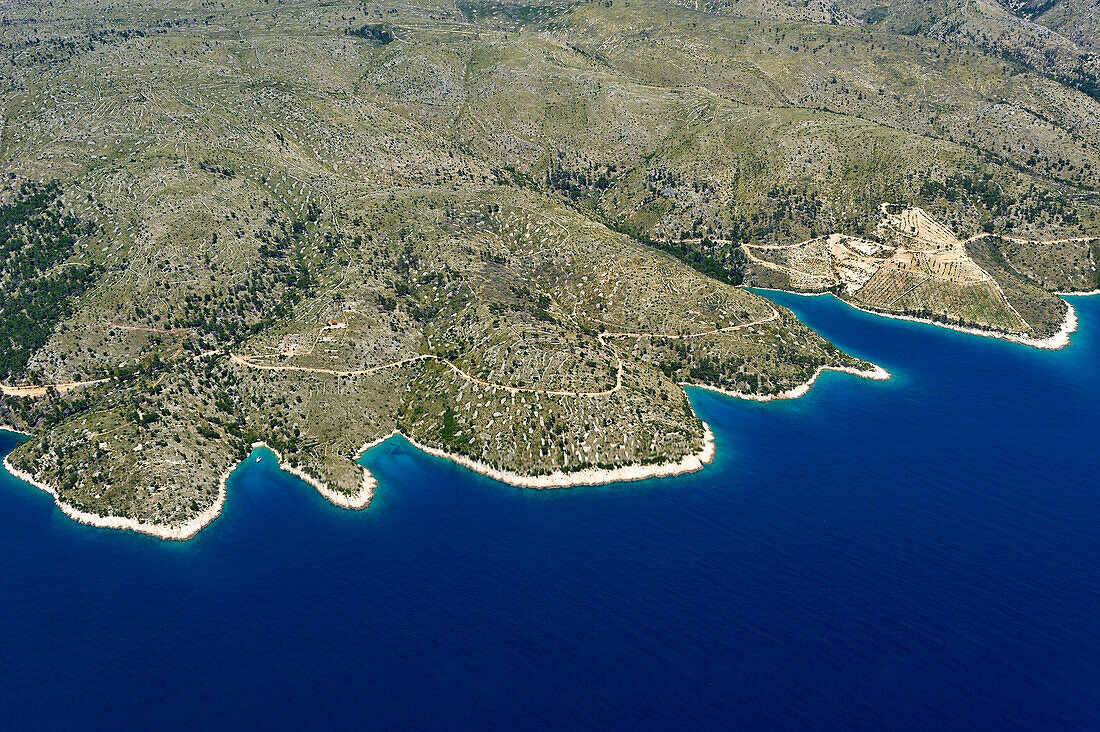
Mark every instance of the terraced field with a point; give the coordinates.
(914, 266)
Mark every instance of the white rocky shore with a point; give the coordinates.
(1056, 342)
(589, 476)
(190, 528)
(877, 373)
(356, 502)
(559, 479)
(168, 532)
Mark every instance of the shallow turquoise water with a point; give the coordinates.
(912, 553)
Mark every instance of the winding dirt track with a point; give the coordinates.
(35, 391)
(40, 390)
(246, 362)
(778, 267)
(182, 335)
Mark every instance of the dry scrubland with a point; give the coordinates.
(511, 231)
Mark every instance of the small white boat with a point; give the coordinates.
(259, 459)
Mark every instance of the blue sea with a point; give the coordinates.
(918, 553)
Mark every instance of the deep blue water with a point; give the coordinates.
(923, 552)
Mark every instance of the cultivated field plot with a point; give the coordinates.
(914, 265)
